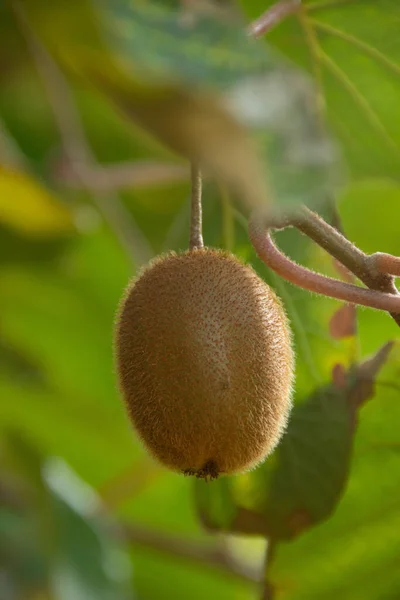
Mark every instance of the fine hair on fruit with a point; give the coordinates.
(205, 362)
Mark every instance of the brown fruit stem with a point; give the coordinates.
(382, 293)
(196, 237)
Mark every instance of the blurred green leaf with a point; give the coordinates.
(303, 481)
(168, 506)
(61, 317)
(178, 86)
(212, 49)
(218, 505)
(74, 554)
(195, 46)
(15, 365)
(369, 212)
(89, 564)
(351, 51)
(354, 554)
(29, 208)
(24, 569)
(379, 200)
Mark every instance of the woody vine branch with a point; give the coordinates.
(376, 271)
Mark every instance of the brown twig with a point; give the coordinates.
(207, 554)
(382, 294)
(272, 17)
(370, 269)
(114, 177)
(75, 146)
(329, 238)
(375, 271)
(196, 237)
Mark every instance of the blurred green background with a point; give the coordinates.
(95, 137)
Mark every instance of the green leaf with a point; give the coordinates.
(353, 554)
(197, 87)
(24, 567)
(218, 505)
(377, 201)
(14, 364)
(29, 208)
(201, 48)
(308, 473)
(76, 556)
(350, 49)
(303, 481)
(89, 564)
(61, 318)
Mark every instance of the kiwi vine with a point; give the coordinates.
(377, 271)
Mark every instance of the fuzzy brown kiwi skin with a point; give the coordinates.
(205, 363)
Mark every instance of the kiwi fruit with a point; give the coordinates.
(205, 362)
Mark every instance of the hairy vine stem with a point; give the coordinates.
(196, 237)
(375, 271)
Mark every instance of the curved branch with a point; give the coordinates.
(362, 265)
(260, 236)
(207, 554)
(374, 270)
